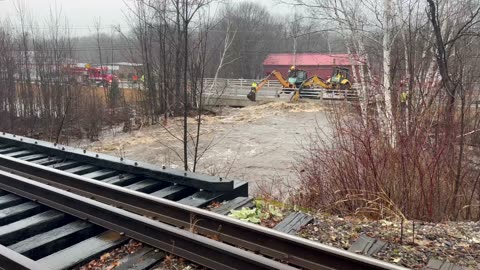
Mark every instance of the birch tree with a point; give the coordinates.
(387, 76)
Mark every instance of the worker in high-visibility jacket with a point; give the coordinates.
(254, 86)
(253, 92)
(404, 97)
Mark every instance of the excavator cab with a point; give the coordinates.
(340, 78)
(296, 77)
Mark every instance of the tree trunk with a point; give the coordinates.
(177, 61)
(185, 87)
(387, 78)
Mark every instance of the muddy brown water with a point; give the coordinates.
(259, 144)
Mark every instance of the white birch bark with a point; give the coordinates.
(363, 88)
(357, 42)
(229, 38)
(387, 84)
(407, 58)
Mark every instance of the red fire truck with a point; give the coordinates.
(101, 75)
(89, 74)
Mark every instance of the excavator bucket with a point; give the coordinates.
(252, 96)
(296, 96)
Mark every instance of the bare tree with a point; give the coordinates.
(456, 80)
(413, 147)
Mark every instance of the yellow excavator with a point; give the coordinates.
(291, 83)
(340, 80)
(298, 81)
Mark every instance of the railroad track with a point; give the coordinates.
(53, 239)
(79, 183)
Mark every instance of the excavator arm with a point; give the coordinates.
(280, 78)
(253, 92)
(315, 80)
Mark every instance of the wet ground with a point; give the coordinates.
(259, 144)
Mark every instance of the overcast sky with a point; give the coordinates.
(82, 13)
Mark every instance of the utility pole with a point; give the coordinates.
(295, 50)
(294, 29)
(328, 43)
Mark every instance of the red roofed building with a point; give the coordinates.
(314, 63)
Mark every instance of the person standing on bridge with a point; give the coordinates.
(253, 92)
(254, 86)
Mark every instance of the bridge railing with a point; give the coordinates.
(238, 87)
(273, 88)
(241, 82)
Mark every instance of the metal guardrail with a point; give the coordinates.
(239, 87)
(273, 88)
(240, 82)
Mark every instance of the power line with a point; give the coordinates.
(112, 26)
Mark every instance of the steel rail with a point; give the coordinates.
(191, 179)
(193, 247)
(11, 260)
(283, 247)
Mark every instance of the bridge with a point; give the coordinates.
(233, 92)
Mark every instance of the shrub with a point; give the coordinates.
(352, 168)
